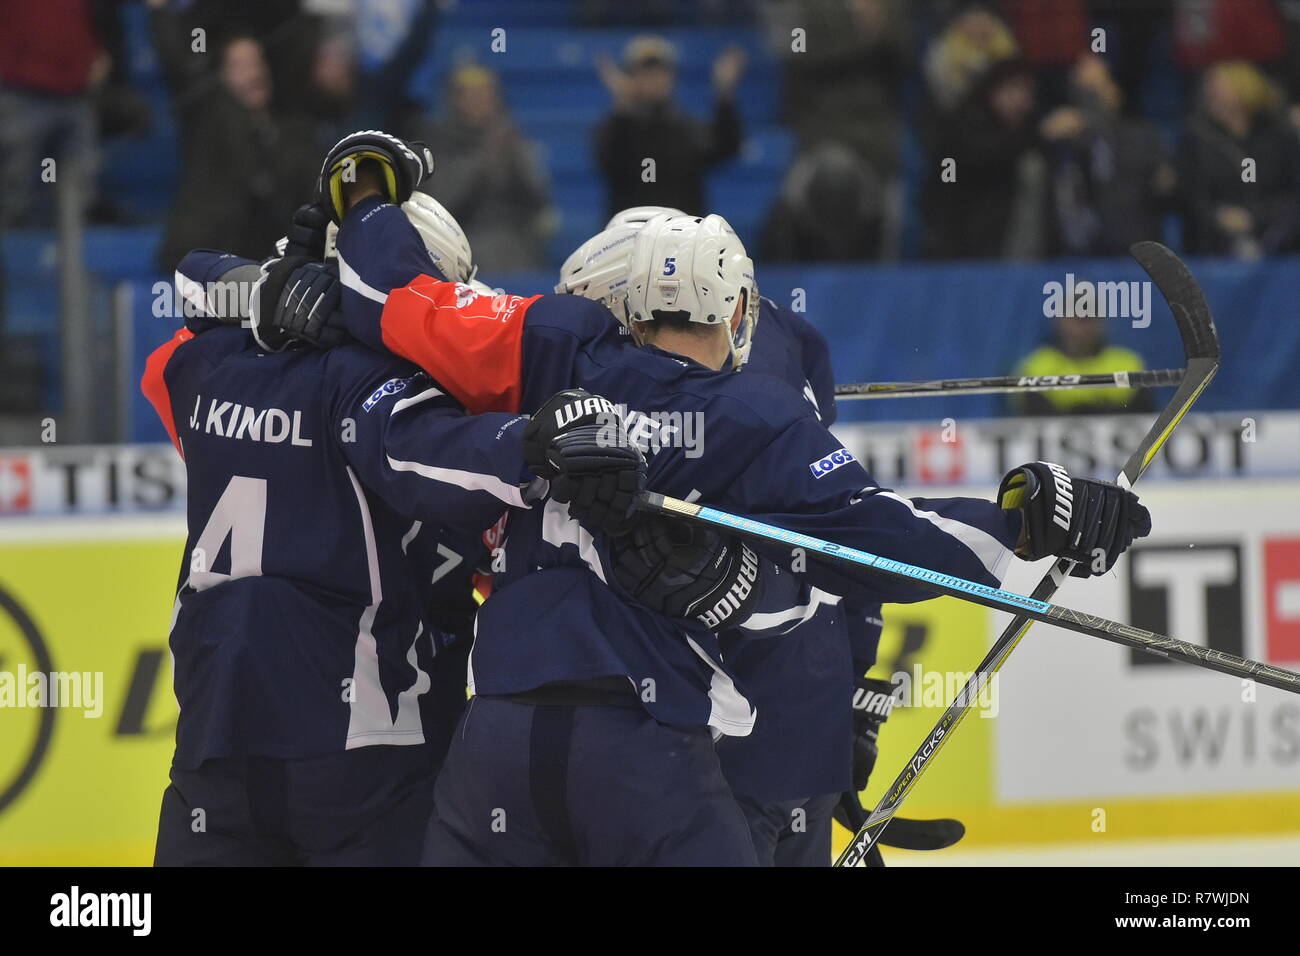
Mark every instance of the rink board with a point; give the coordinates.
(1087, 743)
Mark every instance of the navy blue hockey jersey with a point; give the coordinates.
(802, 683)
(331, 495)
(788, 347)
(741, 443)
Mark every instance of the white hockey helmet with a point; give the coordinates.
(597, 269)
(442, 235)
(697, 266)
(640, 215)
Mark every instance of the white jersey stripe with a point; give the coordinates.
(369, 720)
(424, 396)
(351, 280)
(560, 528)
(730, 712)
(469, 480)
(991, 552)
(410, 535)
(794, 616)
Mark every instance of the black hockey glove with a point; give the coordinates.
(403, 166)
(578, 441)
(268, 292)
(306, 235)
(1088, 521)
(872, 701)
(311, 307)
(684, 570)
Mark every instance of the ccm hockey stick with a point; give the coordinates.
(1201, 350)
(903, 833)
(1010, 383)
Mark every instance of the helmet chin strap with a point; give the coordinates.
(748, 314)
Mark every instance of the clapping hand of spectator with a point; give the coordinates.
(1164, 182)
(612, 75)
(1234, 220)
(1064, 122)
(727, 71)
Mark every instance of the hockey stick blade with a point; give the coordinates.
(908, 834)
(904, 833)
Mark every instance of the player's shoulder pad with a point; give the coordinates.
(583, 318)
(352, 364)
(763, 401)
(787, 319)
(364, 379)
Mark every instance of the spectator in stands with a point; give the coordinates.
(291, 33)
(1212, 31)
(244, 168)
(1051, 35)
(488, 175)
(50, 61)
(843, 83)
(1132, 30)
(1078, 346)
(391, 43)
(1111, 176)
(983, 194)
(1239, 167)
(974, 40)
(650, 151)
(829, 209)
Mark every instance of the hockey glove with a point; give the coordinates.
(307, 230)
(579, 442)
(311, 307)
(872, 701)
(403, 166)
(684, 570)
(1088, 521)
(268, 292)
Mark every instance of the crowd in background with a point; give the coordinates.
(1051, 148)
(1035, 144)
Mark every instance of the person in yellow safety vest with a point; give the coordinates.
(1079, 346)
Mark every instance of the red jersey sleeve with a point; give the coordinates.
(154, 385)
(471, 344)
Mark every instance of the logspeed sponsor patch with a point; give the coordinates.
(391, 387)
(824, 466)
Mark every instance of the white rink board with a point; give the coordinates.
(1080, 720)
(1239, 851)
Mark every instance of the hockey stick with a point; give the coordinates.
(1010, 383)
(1201, 351)
(991, 597)
(904, 833)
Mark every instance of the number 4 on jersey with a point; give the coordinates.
(240, 515)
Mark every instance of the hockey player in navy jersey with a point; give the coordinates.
(333, 499)
(592, 774)
(789, 773)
